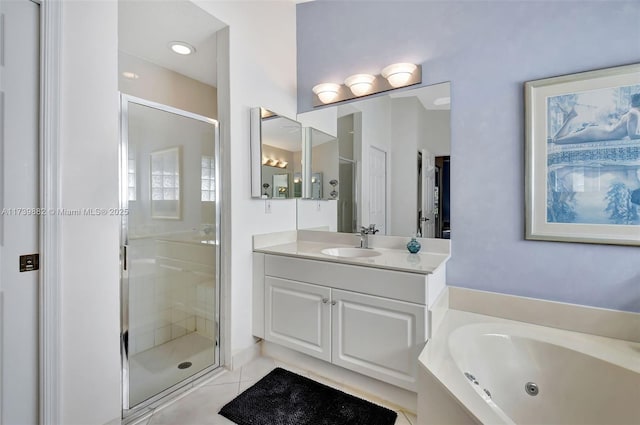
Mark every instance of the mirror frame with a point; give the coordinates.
(306, 143)
(255, 136)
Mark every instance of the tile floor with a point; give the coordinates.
(201, 406)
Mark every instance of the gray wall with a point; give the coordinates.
(487, 49)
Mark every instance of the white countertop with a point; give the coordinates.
(391, 259)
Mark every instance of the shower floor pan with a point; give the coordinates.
(154, 370)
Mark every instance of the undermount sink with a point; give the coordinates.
(350, 252)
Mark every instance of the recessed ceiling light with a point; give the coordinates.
(182, 48)
(130, 75)
(442, 101)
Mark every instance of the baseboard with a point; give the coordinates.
(390, 394)
(116, 421)
(245, 356)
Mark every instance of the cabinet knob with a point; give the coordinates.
(333, 302)
(325, 300)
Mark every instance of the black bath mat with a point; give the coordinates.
(284, 398)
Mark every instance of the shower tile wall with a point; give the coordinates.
(173, 294)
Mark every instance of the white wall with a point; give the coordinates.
(487, 49)
(89, 266)
(403, 173)
(262, 69)
(262, 72)
(436, 131)
(165, 86)
(322, 119)
(314, 214)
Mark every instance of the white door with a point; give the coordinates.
(298, 316)
(378, 337)
(19, 100)
(428, 216)
(377, 189)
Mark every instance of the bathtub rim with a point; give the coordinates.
(437, 359)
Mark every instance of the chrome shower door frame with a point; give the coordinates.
(127, 410)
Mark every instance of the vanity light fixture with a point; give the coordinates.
(394, 76)
(327, 92)
(182, 48)
(398, 74)
(272, 162)
(360, 84)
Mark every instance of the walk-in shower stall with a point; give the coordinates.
(170, 287)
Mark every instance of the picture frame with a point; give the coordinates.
(582, 160)
(166, 184)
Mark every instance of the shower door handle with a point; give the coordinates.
(124, 257)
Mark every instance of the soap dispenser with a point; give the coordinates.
(413, 246)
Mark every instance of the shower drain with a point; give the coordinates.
(184, 365)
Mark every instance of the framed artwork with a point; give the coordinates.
(583, 157)
(166, 202)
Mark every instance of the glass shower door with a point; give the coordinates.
(170, 284)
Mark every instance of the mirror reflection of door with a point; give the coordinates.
(297, 185)
(346, 205)
(281, 185)
(316, 186)
(347, 218)
(378, 189)
(426, 195)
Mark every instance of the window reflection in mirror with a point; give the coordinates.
(394, 157)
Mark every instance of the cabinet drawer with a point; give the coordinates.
(410, 287)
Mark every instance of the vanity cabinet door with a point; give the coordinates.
(378, 337)
(298, 316)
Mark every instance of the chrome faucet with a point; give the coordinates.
(364, 235)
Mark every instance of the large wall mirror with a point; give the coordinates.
(394, 158)
(276, 155)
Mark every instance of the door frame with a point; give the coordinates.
(49, 308)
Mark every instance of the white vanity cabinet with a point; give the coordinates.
(297, 315)
(378, 337)
(365, 319)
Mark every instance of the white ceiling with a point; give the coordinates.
(146, 28)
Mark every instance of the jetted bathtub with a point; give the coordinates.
(506, 372)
